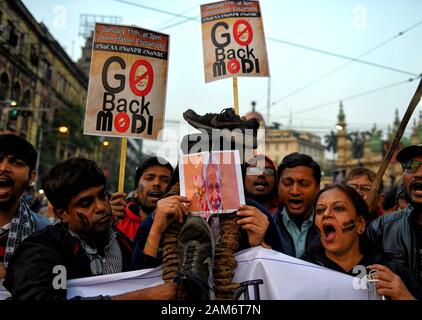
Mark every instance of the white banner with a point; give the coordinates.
(4, 294)
(281, 277)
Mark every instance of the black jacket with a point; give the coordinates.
(317, 256)
(288, 246)
(30, 271)
(394, 236)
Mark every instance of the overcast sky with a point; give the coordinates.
(347, 28)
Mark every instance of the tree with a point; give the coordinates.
(331, 142)
(358, 140)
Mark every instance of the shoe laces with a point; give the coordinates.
(224, 115)
(228, 114)
(208, 116)
(191, 255)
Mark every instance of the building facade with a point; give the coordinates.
(41, 88)
(281, 142)
(370, 151)
(35, 72)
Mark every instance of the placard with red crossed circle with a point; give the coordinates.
(233, 40)
(127, 82)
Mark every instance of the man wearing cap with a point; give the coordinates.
(399, 234)
(17, 221)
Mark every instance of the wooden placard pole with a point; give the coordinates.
(122, 165)
(235, 95)
(393, 146)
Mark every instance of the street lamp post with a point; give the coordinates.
(61, 130)
(37, 164)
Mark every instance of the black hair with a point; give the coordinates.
(390, 198)
(174, 178)
(296, 159)
(365, 245)
(148, 163)
(68, 178)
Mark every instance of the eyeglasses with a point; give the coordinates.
(361, 187)
(411, 166)
(254, 171)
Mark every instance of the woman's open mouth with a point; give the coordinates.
(329, 232)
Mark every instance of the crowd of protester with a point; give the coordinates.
(92, 232)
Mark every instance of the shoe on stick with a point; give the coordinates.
(226, 119)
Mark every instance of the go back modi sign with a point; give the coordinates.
(127, 82)
(233, 40)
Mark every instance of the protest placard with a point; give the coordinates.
(212, 181)
(127, 82)
(233, 40)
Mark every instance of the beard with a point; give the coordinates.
(146, 208)
(14, 197)
(417, 207)
(215, 202)
(9, 203)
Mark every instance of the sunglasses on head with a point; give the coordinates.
(258, 170)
